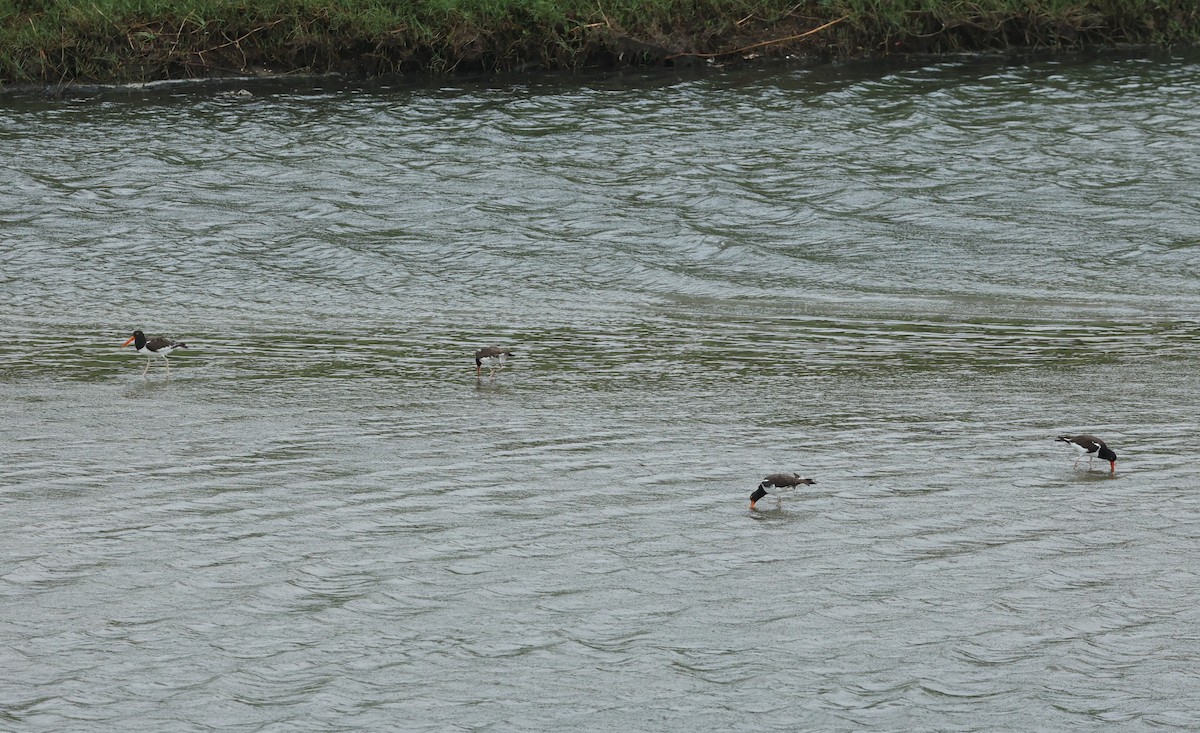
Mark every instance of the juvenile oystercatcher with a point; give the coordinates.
(1090, 446)
(778, 485)
(495, 357)
(157, 346)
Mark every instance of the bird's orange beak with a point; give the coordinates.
(751, 506)
(128, 341)
(1112, 466)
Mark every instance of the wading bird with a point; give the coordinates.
(779, 485)
(1090, 446)
(495, 357)
(157, 346)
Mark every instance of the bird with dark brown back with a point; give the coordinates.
(157, 346)
(495, 357)
(1092, 447)
(779, 485)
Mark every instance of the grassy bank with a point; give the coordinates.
(52, 41)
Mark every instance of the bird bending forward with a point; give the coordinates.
(495, 357)
(1091, 446)
(779, 485)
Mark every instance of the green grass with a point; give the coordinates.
(106, 40)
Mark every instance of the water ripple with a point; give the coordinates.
(904, 281)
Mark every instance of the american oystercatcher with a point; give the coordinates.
(495, 357)
(158, 346)
(1090, 446)
(778, 485)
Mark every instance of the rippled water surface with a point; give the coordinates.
(901, 281)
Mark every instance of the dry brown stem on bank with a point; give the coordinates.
(760, 44)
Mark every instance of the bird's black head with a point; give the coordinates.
(1106, 453)
(759, 493)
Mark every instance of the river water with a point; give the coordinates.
(902, 281)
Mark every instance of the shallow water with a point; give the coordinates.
(901, 281)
